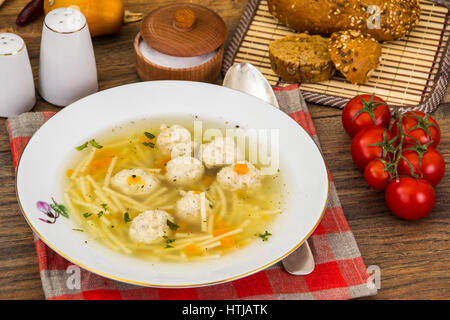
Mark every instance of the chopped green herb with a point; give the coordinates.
(126, 217)
(87, 214)
(104, 206)
(83, 146)
(172, 226)
(95, 144)
(149, 135)
(61, 209)
(100, 214)
(264, 236)
(149, 144)
(168, 242)
(79, 230)
(90, 142)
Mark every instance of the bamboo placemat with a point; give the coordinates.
(413, 73)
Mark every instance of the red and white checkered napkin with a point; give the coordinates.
(340, 272)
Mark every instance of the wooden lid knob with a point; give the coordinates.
(183, 30)
(184, 18)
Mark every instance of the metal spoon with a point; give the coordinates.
(246, 78)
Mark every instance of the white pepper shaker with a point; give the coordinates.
(67, 68)
(17, 92)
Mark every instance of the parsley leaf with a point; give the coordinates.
(87, 214)
(83, 146)
(168, 242)
(92, 142)
(100, 214)
(149, 135)
(149, 144)
(264, 236)
(172, 226)
(126, 217)
(79, 230)
(95, 144)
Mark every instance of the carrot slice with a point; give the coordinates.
(101, 161)
(192, 250)
(133, 180)
(228, 242)
(69, 173)
(160, 163)
(240, 168)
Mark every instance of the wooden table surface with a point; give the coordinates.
(414, 257)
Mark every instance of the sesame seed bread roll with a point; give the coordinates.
(301, 58)
(396, 17)
(354, 54)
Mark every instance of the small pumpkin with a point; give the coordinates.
(104, 17)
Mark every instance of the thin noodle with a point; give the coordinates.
(126, 198)
(117, 202)
(78, 167)
(115, 240)
(210, 223)
(83, 189)
(270, 212)
(208, 257)
(223, 200)
(120, 144)
(203, 212)
(223, 235)
(211, 246)
(88, 161)
(88, 205)
(109, 172)
(155, 195)
(137, 162)
(175, 257)
(98, 191)
(142, 155)
(109, 205)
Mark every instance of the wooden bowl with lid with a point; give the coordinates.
(180, 42)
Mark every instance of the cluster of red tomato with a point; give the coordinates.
(401, 159)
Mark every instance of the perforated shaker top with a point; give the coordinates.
(65, 20)
(10, 43)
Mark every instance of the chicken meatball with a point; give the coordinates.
(182, 149)
(183, 171)
(150, 226)
(239, 176)
(169, 137)
(219, 152)
(134, 182)
(188, 208)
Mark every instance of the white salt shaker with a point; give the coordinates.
(17, 92)
(67, 68)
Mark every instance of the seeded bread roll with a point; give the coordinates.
(354, 54)
(301, 58)
(396, 17)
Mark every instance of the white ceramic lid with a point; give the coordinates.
(10, 43)
(65, 20)
(168, 61)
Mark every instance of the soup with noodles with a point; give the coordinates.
(139, 189)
